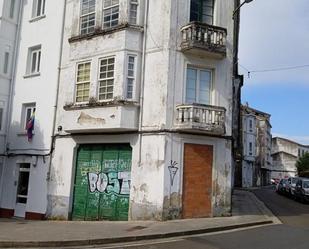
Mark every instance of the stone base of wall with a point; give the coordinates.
(34, 216)
(6, 213)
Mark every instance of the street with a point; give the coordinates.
(292, 234)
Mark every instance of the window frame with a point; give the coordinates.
(88, 14)
(6, 62)
(36, 11)
(200, 13)
(37, 65)
(1, 117)
(129, 77)
(197, 90)
(25, 118)
(250, 148)
(110, 7)
(106, 79)
(12, 9)
(133, 20)
(82, 82)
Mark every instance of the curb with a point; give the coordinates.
(68, 243)
(264, 209)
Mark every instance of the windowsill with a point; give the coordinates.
(37, 18)
(105, 31)
(31, 75)
(99, 104)
(23, 133)
(5, 76)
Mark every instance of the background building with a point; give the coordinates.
(285, 153)
(34, 91)
(144, 121)
(9, 18)
(256, 135)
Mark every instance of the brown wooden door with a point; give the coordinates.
(197, 186)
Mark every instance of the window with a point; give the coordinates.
(133, 11)
(250, 125)
(198, 86)
(110, 13)
(202, 11)
(250, 149)
(23, 183)
(130, 76)
(1, 118)
(12, 9)
(83, 82)
(28, 111)
(87, 18)
(38, 8)
(6, 62)
(106, 78)
(34, 60)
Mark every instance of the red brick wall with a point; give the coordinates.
(197, 187)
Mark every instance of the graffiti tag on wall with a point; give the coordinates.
(173, 171)
(112, 182)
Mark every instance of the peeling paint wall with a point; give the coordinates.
(157, 174)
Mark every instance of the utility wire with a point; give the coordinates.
(273, 69)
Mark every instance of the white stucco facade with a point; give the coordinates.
(149, 121)
(34, 89)
(285, 154)
(256, 136)
(9, 18)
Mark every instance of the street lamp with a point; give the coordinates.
(237, 9)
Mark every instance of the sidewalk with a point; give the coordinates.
(247, 211)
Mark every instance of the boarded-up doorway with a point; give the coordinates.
(197, 181)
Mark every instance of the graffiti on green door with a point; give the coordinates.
(113, 182)
(102, 182)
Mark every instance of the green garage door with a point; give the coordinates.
(102, 182)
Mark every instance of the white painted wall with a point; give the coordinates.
(40, 89)
(8, 29)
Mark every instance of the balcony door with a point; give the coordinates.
(202, 11)
(22, 189)
(198, 86)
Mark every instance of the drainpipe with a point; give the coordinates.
(237, 84)
(142, 82)
(13, 80)
(57, 94)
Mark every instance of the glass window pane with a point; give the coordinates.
(23, 182)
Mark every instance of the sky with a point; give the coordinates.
(275, 34)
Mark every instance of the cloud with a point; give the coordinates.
(299, 139)
(275, 34)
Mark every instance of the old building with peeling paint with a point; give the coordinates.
(144, 120)
(257, 144)
(285, 154)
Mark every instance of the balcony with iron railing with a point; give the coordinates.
(199, 118)
(204, 39)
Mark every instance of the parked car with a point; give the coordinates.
(290, 187)
(302, 189)
(281, 186)
(274, 181)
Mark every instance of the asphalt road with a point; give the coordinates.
(292, 234)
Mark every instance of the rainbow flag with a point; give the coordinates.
(30, 127)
